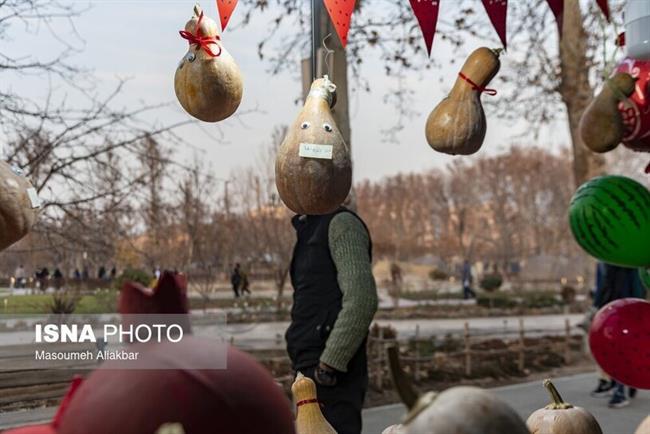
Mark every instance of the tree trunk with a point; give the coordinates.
(576, 91)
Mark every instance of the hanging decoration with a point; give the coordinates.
(618, 332)
(610, 219)
(636, 110)
(225, 8)
(557, 7)
(601, 125)
(340, 12)
(497, 11)
(426, 13)
(604, 7)
(19, 203)
(313, 168)
(208, 82)
(457, 125)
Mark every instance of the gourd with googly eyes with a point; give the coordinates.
(208, 82)
(313, 169)
(19, 205)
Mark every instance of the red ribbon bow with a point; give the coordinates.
(476, 86)
(202, 41)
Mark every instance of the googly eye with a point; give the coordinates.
(190, 57)
(305, 125)
(327, 127)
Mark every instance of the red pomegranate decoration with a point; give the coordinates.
(243, 398)
(636, 109)
(619, 339)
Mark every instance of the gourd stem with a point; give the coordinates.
(552, 390)
(558, 402)
(497, 51)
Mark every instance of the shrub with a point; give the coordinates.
(64, 302)
(491, 282)
(540, 299)
(437, 274)
(133, 275)
(568, 294)
(496, 300)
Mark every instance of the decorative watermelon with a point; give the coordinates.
(619, 339)
(610, 219)
(644, 275)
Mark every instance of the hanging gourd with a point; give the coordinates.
(309, 419)
(610, 219)
(19, 205)
(636, 110)
(459, 410)
(313, 169)
(457, 125)
(208, 82)
(601, 125)
(560, 417)
(644, 428)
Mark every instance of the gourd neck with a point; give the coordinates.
(557, 401)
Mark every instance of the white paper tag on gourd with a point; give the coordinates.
(33, 197)
(312, 150)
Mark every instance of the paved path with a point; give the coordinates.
(528, 397)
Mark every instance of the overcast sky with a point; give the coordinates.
(139, 40)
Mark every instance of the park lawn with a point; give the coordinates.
(40, 303)
(105, 301)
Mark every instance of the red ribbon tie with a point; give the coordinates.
(202, 41)
(306, 401)
(476, 87)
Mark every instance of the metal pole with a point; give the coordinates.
(315, 36)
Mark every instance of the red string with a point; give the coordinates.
(307, 401)
(202, 41)
(476, 86)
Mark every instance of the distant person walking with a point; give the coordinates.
(113, 273)
(20, 276)
(57, 278)
(244, 285)
(467, 279)
(235, 279)
(613, 283)
(101, 274)
(77, 274)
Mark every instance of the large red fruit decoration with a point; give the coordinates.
(242, 399)
(636, 110)
(619, 339)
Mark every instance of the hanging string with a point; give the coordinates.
(476, 87)
(203, 42)
(328, 55)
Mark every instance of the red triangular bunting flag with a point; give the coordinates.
(426, 11)
(341, 14)
(225, 8)
(557, 7)
(497, 10)
(604, 6)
